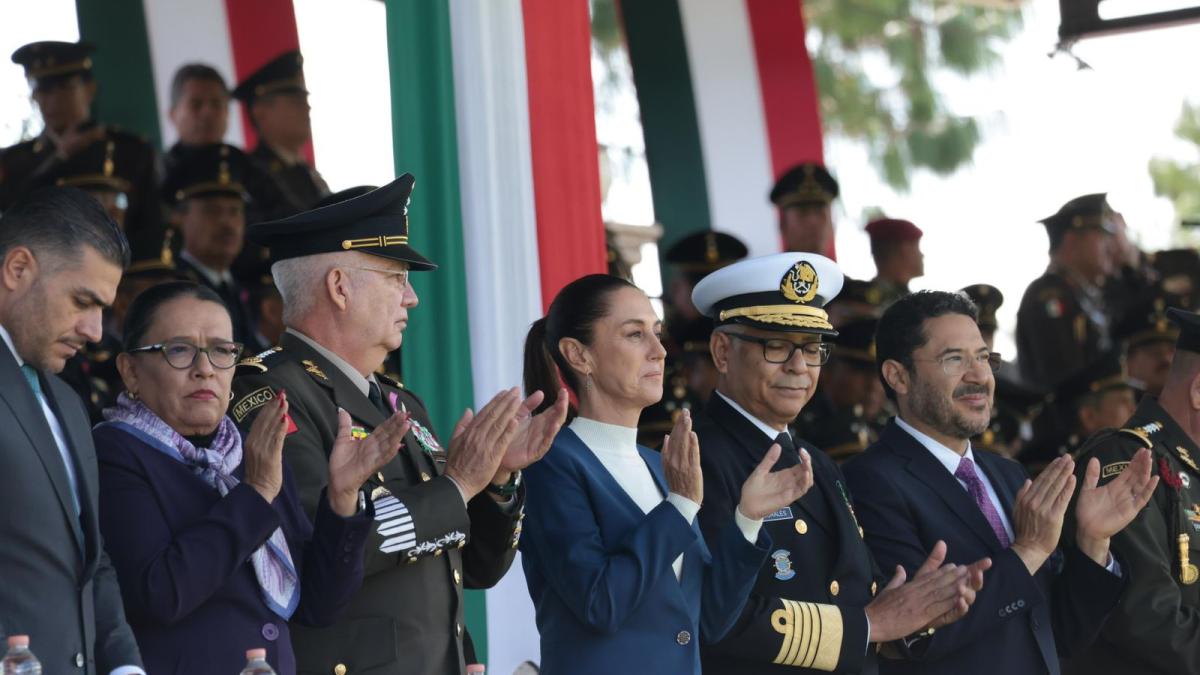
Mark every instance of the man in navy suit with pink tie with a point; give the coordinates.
(922, 482)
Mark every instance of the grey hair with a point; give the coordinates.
(300, 282)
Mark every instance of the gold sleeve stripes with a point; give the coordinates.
(812, 634)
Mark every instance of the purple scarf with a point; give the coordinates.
(214, 465)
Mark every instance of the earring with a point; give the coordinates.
(231, 395)
(133, 395)
(587, 382)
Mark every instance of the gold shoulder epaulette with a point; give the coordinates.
(258, 360)
(1144, 432)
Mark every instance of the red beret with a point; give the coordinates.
(893, 229)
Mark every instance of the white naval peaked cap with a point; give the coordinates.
(781, 292)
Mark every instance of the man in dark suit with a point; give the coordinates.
(64, 88)
(447, 519)
(921, 483)
(817, 604)
(61, 258)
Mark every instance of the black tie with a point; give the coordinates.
(784, 439)
(376, 396)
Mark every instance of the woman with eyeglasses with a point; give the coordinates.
(622, 579)
(212, 548)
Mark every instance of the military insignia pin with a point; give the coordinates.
(313, 369)
(800, 283)
(783, 564)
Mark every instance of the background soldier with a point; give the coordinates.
(63, 88)
(277, 101)
(896, 250)
(804, 195)
(1147, 338)
(1062, 323)
(446, 520)
(1155, 630)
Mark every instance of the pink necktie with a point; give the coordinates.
(966, 473)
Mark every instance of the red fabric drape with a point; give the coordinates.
(259, 31)
(565, 156)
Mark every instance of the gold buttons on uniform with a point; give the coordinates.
(874, 587)
(437, 553)
(339, 669)
(801, 526)
(834, 588)
(457, 577)
(424, 476)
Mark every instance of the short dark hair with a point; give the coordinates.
(145, 306)
(58, 222)
(573, 313)
(194, 71)
(901, 329)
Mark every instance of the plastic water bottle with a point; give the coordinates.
(256, 663)
(19, 660)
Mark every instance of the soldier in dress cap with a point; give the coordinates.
(208, 202)
(858, 300)
(60, 74)
(277, 101)
(1062, 323)
(896, 249)
(988, 299)
(849, 410)
(804, 195)
(691, 259)
(1153, 631)
(769, 346)
(448, 519)
(1146, 336)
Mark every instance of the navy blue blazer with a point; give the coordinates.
(906, 500)
(182, 555)
(599, 570)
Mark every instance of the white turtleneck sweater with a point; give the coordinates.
(616, 448)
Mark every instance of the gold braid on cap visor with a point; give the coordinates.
(795, 316)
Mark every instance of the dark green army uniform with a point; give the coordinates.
(36, 163)
(1063, 323)
(299, 184)
(427, 544)
(1156, 628)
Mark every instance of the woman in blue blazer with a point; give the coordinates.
(621, 578)
(212, 548)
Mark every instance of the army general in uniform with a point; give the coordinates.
(1157, 629)
(445, 519)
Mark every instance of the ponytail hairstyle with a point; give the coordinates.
(573, 314)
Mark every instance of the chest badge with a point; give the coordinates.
(1187, 458)
(783, 564)
(313, 369)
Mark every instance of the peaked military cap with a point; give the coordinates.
(856, 341)
(1189, 329)
(706, 251)
(807, 183)
(48, 60)
(1146, 323)
(695, 335)
(1089, 212)
(283, 74)
(151, 255)
(204, 170)
(781, 292)
(97, 167)
(375, 222)
(892, 229)
(987, 299)
(1104, 374)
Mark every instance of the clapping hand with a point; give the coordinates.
(1038, 513)
(936, 594)
(1101, 512)
(352, 461)
(766, 491)
(681, 460)
(479, 442)
(262, 450)
(534, 434)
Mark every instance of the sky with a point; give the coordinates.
(1050, 132)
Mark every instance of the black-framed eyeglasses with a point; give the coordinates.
(181, 355)
(778, 350)
(954, 365)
